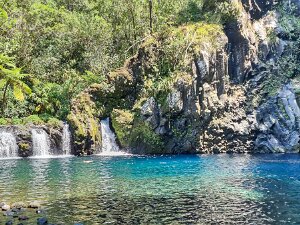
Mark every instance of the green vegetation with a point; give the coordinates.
(64, 60)
(32, 119)
(66, 46)
(122, 122)
(12, 78)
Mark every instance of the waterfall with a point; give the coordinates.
(40, 143)
(66, 139)
(109, 144)
(8, 145)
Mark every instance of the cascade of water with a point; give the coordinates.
(40, 143)
(66, 138)
(109, 144)
(8, 145)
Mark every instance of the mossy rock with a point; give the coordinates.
(122, 122)
(85, 124)
(25, 149)
(144, 140)
(162, 62)
(122, 81)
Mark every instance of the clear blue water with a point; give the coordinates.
(213, 189)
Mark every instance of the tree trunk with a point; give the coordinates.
(4, 98)
(151, 15)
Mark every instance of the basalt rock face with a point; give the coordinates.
(279, 123)
(23, 135)
(227, 93)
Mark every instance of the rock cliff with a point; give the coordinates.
(204, 88)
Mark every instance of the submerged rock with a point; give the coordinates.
(8, 213)
(19, 205)
(5, 207)
(42, 221)
(23, 217)
(34, 205)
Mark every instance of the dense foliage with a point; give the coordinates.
(56, 48)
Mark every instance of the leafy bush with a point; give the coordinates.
(16, 121)
(3, 121)
(34, 119)
(54, 122)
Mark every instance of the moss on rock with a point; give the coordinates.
(122, 121)
(25, 149)
(161, 67)
(85, 124)
(144, 140)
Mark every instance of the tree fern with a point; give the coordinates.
(12, 77)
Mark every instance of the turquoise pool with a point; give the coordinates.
(188, 189)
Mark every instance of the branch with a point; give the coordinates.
(137, 42)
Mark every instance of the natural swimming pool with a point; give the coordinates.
(187, 189)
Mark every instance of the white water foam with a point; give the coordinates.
(109, 144)
(40, 143)
(8, 145)
(66, 145)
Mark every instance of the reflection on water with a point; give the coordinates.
(216, 189)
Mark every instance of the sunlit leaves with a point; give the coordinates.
(12, 77)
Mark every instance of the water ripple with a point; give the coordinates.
(224, 189)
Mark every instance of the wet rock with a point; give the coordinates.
(18, 210)
(42, 221)
(9, 223)
(22, 217)
(8, 213)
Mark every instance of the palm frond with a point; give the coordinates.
(18, 93)
(2, 83)
(24, 87)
